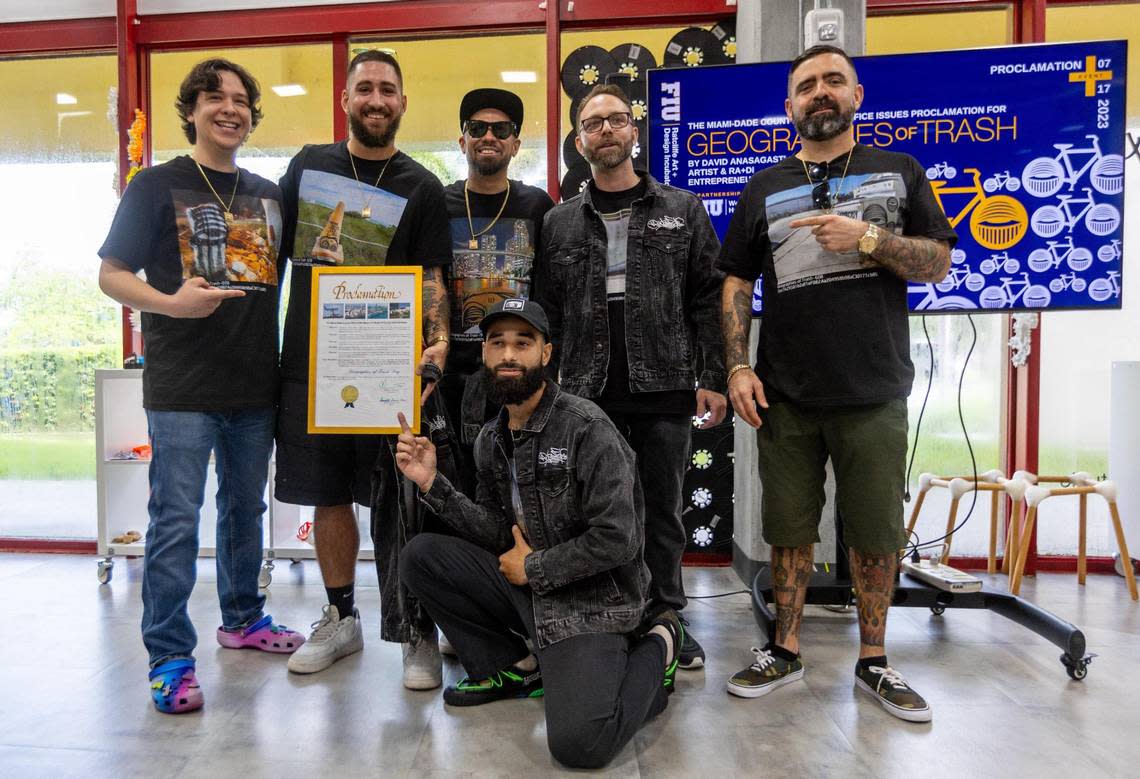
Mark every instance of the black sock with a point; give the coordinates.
(343, 598)
(782, 653)
(866, 662)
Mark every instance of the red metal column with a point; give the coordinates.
(340, 62)
(553, 97)
(1024, 399)
(132, 95)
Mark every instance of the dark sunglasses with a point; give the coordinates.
(821, 193)
(476, 128)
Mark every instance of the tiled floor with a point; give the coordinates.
(73, 697)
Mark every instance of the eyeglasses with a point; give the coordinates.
(476, 128)
(616, 121)
(821, 194)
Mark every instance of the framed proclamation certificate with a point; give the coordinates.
(364, 345)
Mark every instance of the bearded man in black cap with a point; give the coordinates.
(550, 550)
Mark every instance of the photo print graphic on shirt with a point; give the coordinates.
(798, 260)
(237, 254)
(341, 221)
(499, 269)
(617, 244)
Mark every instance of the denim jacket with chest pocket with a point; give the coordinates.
(581, 511)
(672, 293)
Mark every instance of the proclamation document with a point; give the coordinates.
(364, 344)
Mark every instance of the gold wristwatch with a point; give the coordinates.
(869, 240)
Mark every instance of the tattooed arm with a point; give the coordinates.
(911, 258)
(745, 389)
(436, 318)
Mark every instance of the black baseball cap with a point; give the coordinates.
(526, 310)
(478, 99)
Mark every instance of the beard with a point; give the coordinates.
(824, 128)
(489, 166)
(370, 139)
(516, 389)
(609, 157)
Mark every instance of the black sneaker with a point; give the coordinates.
(889, 688)
(508, 683)
(766, 674)
(692, 655)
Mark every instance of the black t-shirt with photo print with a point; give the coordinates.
(172, 226)
(394, 214)
(834, 328)
(499, 267)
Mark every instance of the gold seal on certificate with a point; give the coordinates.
(364, 344)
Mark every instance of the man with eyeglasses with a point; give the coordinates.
(836, 231)
(626, 275)
(358, 202)
(495, 227)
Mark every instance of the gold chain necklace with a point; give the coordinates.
(474, 242)
(842, 178)
(226, 208)
(366, 212)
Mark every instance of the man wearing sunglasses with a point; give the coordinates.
(495, 225)
(836, 231)
(626, 275)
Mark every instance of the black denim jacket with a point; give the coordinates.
(672, 293)
(582, 513)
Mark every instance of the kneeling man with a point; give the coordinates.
(551, 549)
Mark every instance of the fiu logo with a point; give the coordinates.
(667, 223)
(553, 456)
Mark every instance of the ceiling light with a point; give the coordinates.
(62, 98)
(519, 76)
(289, 90)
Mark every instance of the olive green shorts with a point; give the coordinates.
(867, 446)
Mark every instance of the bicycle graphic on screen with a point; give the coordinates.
(1056, 252)
(1046, 176)
(1100, 219)
(996, 221)
(1013, 290)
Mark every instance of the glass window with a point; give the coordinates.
(1079, 348)
(438, 72)
(941, 446)
(296, 99)
(58, 164)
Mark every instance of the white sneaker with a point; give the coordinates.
(423, 666)
(333, 637)
(445, 647)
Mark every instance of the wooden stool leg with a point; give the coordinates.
(949, 531)
(1013, 533)
(1125, 560)
(1023, 551)
(1082, 538)
(914, 514)
(991, 564)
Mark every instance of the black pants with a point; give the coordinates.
(661, 443)
(599, 687)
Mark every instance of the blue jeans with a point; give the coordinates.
(181, 442)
